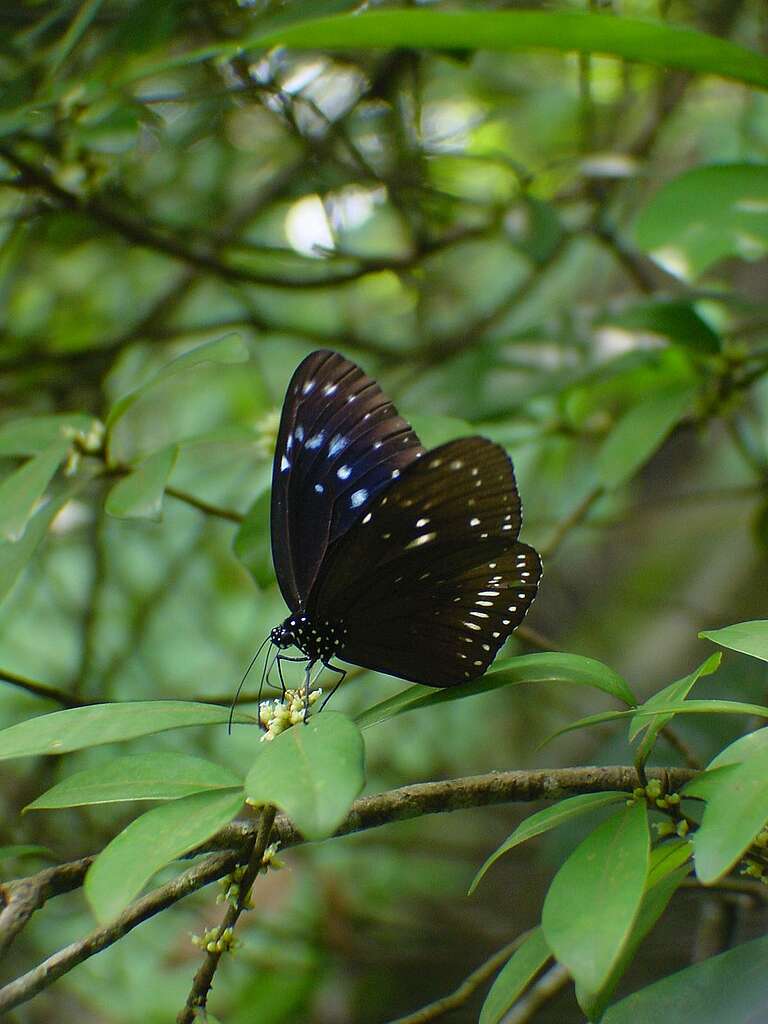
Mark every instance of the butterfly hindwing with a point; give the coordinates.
(340, 442)
(431, 579)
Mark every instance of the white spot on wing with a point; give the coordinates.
(299, 432)
(344, 472)
(474, 522)
(319, 488)
(309, 385)
(284, 464)
(421, 522)
(338, 444)
(425, 538)
(316, 440)
(358, 498)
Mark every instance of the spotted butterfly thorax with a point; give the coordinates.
(390, 557)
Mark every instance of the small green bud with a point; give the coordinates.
(682, 828)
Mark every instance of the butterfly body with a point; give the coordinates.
(391, 557)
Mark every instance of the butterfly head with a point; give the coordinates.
(284, 635)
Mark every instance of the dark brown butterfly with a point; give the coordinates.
(391, 557)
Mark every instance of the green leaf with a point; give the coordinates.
(736, 810)
(140, 494)
(14, 555)
(549, 818)
(548, 667)
(76, 728)
(252, 541)
(163, 834)
(706, 783)
(595, 897)
(671, 694)
(229, 349)
(741, 749)
(673, 319)
(313, 772)
(21, 491)
(34, 434)
(687, 707)
(705, 215)
(639, 433)
(25, 850)
(159, 776)
(521, 968)
(655, 901)
(731, 987)
(652, 42)
(745, 637)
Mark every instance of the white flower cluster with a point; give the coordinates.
(277, 715)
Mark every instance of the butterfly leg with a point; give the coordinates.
(339, 671)
(307, 686)
(280, 659)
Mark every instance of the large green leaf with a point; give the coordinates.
(140, 494)
(640, 432)
(594, 899)
(548, 667)
(20, 492)
(126, 864)
(746, 637)
(521, 968)
(652, 42)
(549, 818)
(706, 214)
(76, 728)
(158, 776)
(732, 988)
(313, 772)
(736, 810)
(664, 879)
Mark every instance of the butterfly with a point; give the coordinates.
(391, 557)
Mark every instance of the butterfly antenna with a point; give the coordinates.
(233, 705)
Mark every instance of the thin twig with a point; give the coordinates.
(574, 518)
(66, 700)
(205, 506)
(22, 897)
(466, 989)
(546, 988)
(201, 986)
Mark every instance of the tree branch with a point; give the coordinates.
(66, 700)
(367, 812)
(201, 986)
(466, 989)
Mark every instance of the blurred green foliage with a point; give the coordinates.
(564, 252)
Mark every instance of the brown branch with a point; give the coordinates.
(40, 977)
(466, 989)
(205, 506)
(66, 700)
(368, 812)
(22, 897)
(159, 240)
(574, 518)
(201, 986)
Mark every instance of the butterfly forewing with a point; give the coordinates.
(431, 580)
(340, 442)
